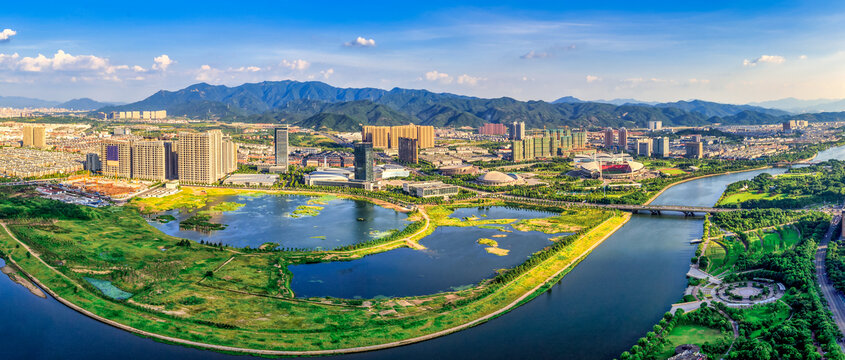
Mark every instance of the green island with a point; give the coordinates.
(111, 263)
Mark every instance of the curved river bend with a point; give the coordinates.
(597, 311)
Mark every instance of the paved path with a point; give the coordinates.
(835, 300)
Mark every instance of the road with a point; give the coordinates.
(835, 300)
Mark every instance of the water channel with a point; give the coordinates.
(597, 311)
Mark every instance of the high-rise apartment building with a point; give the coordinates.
(661, 146)
(34, 136)
(149, 160)
(408, 150)
(387, 137)
(579, 139)
(116, 158)
(694, 150)
(516, 130)
(200, 158)
(608, 138)
(623, 139)
(230, 156)
(493, 129)
(364, 160)
(280, 141)
(171, 160)
(644, 147)
(92, 162)
(655, 125)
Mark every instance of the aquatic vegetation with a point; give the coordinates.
(108, 289)
(488, 242)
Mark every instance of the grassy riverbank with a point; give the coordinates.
(231, 297)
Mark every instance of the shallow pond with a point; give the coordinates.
(453, 259)
(271, 218)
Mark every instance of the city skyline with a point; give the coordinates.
(656, 51)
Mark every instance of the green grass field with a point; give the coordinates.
(688, 334)
(748, 195)
(672, 171)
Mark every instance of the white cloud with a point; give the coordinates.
(61, 61)
(361, 42)
(162, 62)
(298, 64)
(803, 57)
(440, 77)
(7, 34)
(208, 73)
(468, 80)
(327, 73)
(593, 78)
(770, 59)
(247, 69)
(137, 68)
(699, 81)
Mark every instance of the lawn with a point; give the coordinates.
(672, 171)
(688, 334)
(748, 195)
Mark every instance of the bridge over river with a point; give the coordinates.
(654, 209)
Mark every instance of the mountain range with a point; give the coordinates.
(319, 105)
(82, 104)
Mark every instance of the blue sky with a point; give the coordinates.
(728, 51)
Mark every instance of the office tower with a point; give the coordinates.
(623, 139)
(516, 131)
(408, 150)
(493, 129)
(280, 139)
(696, 138)
(200, 157)
(364, 160)
(92, 162)
(608, 138)
(644, 147)
(149, 160)
(661, 146)
(230, 156)
(655, 125)
(171, 168)
(695, 150)
(118, 158)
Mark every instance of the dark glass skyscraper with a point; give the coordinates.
(281, 144)
(364, 159)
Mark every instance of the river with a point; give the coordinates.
(597, 311)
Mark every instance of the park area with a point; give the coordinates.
(113, 263)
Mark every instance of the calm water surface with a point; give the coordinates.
(452, 259)
(597, 311)
(267, 218)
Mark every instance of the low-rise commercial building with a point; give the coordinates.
(430, 189)
(264, 180)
